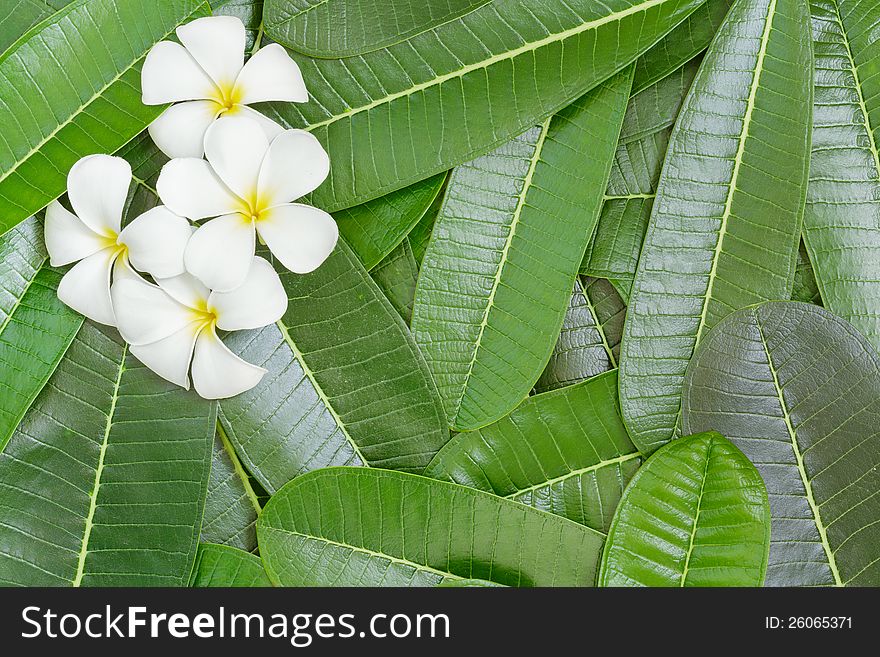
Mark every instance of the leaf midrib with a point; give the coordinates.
(24, 292)
(600, 328)
(575, 473)
(695, 526)
(239, 469)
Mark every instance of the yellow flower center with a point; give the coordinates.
(204, 317)
(228, 97)
(253, 209)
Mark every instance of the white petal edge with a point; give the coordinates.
(145, 313)
(86, 287)
(235, 146)
(190, 188)
(259, 301)
(67, 238)
(180, 130)
(187, 289)
(171, 356)
(217, 43)
(271, 74)
(218, 373)
(97, 186)
(220, 252)
(170, 74)
(295, 165)
(156, 242)
(270, 127)
(300, 236)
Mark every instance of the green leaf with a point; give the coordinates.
(89, 55)
(396, 276)
(499, 270)
(35, 327)
(231, 505)
(343, 28)
(589, 343)
(104, 481)
(468, 584)
(398, 115)
(842, 220)
(346, 383)
(805, 287)
(420, 235)
(681, 45)
(696, 514)
(373, 229)
(224, 566)
(565, 452)
(726, 223)
(22, 15)
(365, 527)
(798, 390)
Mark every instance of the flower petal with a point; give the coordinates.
(67, 238)
(187, 289)
(145, 313)
(257, 302)
(190, 188)
(170, 357)
(180, 130)
(269, 126)
(170, 74)
(156, 241)
(295, 165)
(217, 44)
(217, 372)
(235, 147)
(97, 186)
(220, 252)
(271, 74)
(300, 236)
(86, 287)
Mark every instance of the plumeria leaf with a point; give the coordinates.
(798, 390)
(104, 480)
(726, 222)
(805, 287)
(566, 452)
(499, 270)
(346, 384)
(405, 530)
(22, 16)
(71, 89)
(396, 276)
(35, 327)
(224, 566)
(395, 116)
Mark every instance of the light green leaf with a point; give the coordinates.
(21, 15)
(396, 276)
(373, 229)
(89, 55)
(35, 327)
(104, 481)
(805, 288)
(224, 566)
(726, 222)
(366, 527)
(346, 383)
(343, 28)
(798, 390)
(696, 514)
(565, 452)
(231, 505)
(499, 270)
(589, 342)
(398, 115)
(842, 220)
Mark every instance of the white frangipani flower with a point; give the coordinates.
(208, 74)
(248, 183)
(174, 323)
(154, 242)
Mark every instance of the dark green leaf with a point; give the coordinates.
(224, 566)
(805, 288)
(396, 276)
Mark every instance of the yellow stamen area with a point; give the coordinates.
(252, 210)
(228, 97)
(204, 319)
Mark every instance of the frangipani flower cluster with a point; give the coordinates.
(167, 283)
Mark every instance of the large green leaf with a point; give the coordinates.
(72, 88)
(798, 390)
(420, 236)
(398, 115)
(224, 566)
(343, 28)
(231, 505)
(499, 270)
(346, 383)
(103, 483)
(373, 229)
(35, 327)
(696, 514)
(21, 15)
(565, 452)
(396, 276)
(842, 220)
(589, 342)
(365, 527)
(726, 222)
(805, 287)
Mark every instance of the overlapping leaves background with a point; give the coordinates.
(571, 234)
